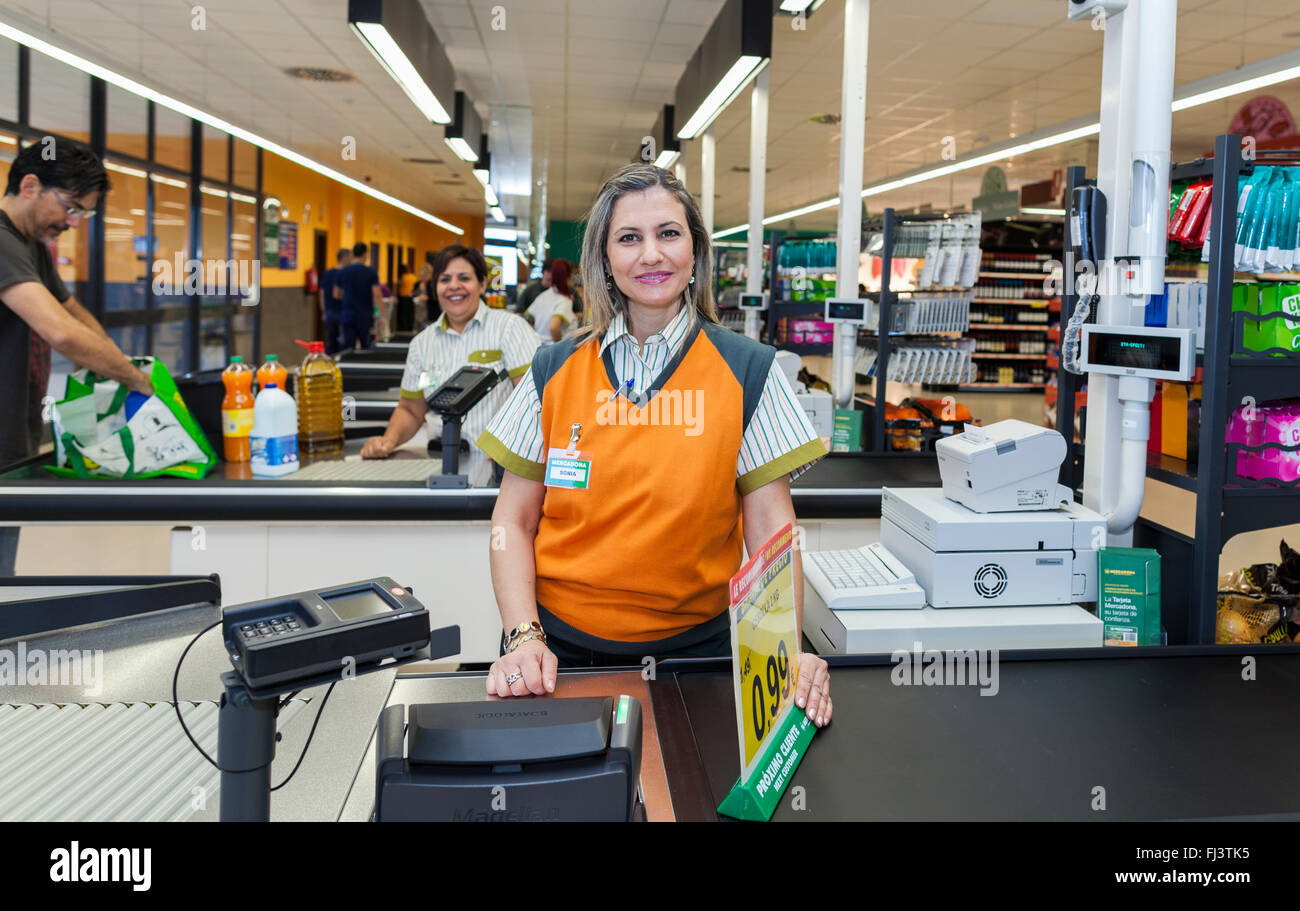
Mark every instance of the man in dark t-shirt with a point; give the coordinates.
(332, 307)
(358, 288)
(53, 185)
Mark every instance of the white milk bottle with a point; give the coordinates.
(274, 438)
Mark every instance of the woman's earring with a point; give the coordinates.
(692, 278)
(609, 284)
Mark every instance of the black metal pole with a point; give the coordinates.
(98, 145)
(450, 445)
(773, 285)
(1215, 406)
(1067, 383)
(245, 740)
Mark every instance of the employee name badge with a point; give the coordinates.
(568, 466)
(773, 732)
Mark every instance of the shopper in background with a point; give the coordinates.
(534, 288)
(52, 187)
(467, 332)
(404, 321)
(638, 561)
(331, 308)
(358, 288)
(384, 313)
(552, 310)
(424, 298)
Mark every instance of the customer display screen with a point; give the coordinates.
(355, 605)
(1154, 352)
(846, 310)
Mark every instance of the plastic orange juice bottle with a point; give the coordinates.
(237, 410)
(272, 371)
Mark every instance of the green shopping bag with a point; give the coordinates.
(93, 437)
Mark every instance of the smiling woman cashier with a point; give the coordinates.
(467, 332)
(702, 430)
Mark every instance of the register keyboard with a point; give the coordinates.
(863, 578)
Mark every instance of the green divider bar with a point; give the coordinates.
(755, 798)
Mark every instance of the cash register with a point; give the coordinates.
(534, 760)
(1001, 542)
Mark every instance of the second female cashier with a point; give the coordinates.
(634, 558)
(467, 332)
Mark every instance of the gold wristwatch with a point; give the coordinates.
(515, 636)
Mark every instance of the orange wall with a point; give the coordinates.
(372, 221)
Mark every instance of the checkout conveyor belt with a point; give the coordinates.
(114, 738)
(109, 762)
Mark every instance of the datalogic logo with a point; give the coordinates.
(76, 864)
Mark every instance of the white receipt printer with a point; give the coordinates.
(962, 558)
(1009, 466)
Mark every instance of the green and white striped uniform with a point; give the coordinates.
(496, 339)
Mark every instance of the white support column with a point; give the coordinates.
(707, 155)
(853, 95)
(680, 170)
(757, 192)
(1119, 51)
(1133, 174)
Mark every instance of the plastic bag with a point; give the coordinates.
(98, 435)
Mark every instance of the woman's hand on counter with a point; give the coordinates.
(376, 448)
(813, 694)
(536, 665)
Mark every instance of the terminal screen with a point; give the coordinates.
(1159, 352)
(359, 604)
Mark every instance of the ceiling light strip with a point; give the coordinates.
(1281, 68)
(180, 107)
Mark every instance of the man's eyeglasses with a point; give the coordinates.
(73, 211)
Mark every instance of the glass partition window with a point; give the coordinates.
(245, 173)
(171, 344)
(171, 144)
(220, 280)
(8, 81)
(216, 154)
(128, 123)
(243, 230)
(60, 98)
(126, 238)
(171, 249)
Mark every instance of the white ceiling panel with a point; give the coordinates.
(573, 85)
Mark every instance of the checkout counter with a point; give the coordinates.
(362, 518)
(1156, 727)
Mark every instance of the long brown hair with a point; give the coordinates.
(603, 298)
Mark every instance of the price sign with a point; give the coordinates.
(764, 646)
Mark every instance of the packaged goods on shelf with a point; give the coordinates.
(1267, 224)
(1260, 603)
(934, 312)
(791, 331)
(1274, 425)
(936, 362)
(949, 249)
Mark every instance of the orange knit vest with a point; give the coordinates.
(646, 551)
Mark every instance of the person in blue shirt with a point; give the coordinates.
(331, 308)
(357, 286)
